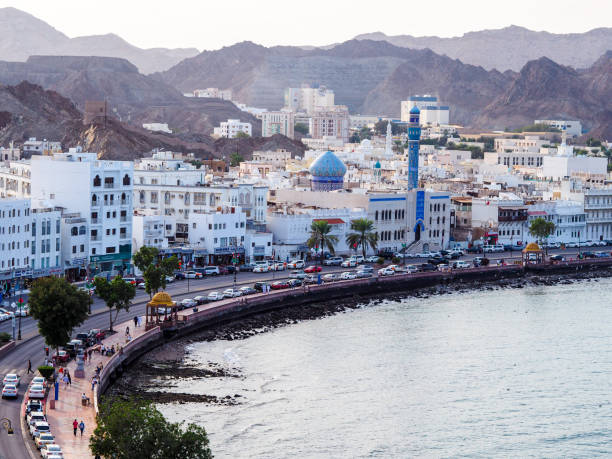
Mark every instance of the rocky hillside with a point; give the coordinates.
(23, 36)
(246, 146)
(545, 89)
(510, 48)
(132, 97)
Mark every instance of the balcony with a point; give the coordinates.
(125, 202)
(96, 238)
(512, 218)
(109, 185)
(95, 221)
(597, 206)
(123, 219)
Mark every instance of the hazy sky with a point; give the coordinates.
(207, 24)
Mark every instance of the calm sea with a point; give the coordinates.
(504, 373)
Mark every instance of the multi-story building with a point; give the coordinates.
(15, 179)
(572, 128)
(10, 154)
(280, 122)
(221, 233)
(568, 217)
(432, 112)
(101, 191)
(528, 144)
(40, 147)
(510, 158)
(231, 128)
(308, 100)
(46, 242)
(598, 211)
(330, 123)
(74, 245)
(151, 230)
(500, 218)
(362, 121)
(15, 238)
(277, 158)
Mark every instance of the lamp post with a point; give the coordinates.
(20, 302)
(6, 423)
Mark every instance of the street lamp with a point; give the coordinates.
(20, 302)
(6, 423)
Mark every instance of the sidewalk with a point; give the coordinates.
(68, 407)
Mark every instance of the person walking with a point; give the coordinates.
(65, 379)
(69, 378)
(75, 426)
(81, 427)
(127, 331)
(135, 321)
(30, 366)
(90, 351)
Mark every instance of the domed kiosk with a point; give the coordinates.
(160, 311)
(327, 173)
(532, 254)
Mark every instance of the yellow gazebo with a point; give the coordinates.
(161, 310)
(533, 254)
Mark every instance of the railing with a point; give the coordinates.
(109, 185)
(124, 202)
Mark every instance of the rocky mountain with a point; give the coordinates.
(545, 89)
(510, 48)
(23, 36)
(131, 96)
(367, 76)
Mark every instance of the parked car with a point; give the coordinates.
(475, 249)
(9, 391)
(261, 267)
(97, 333)
(396, 268)
(366, 268)
(39, 380)
(294, 283)
(297, 274)
(572, 245)
(215, 296)
(169, 279)
(411, 269)
(85, 339)
(309, 279)
(359, 259)
(61, 356)
(349, 263)
(246, 290)
(601, 254)
(427, 267)
(193, 275)
(333, 261)
(461, 264)
(141, 286)
(477, 261)
(330, 277)
(73, 347)
(371, 259)
(279, 285)
(211, 271)
(313, 269)
(362, 274)
(34, 417)
(44, 439)
(39, 427)
(231, 293)
(51, 449)
(438, 261)
(557, 257)
(179, 275)
(347, 275)
(187, 303)
(130, 280)
(11, 379)
(424, 255)
(386, 272)
(200, 299)
(33, 406)
(588, 255)
(296, 264)
(259, 286)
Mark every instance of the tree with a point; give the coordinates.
(241, 135)
(320, 237)
(236, 159)
(362, 235)
(154, 272)
(129, 430)
(58, 306)
(541, 228)
(117, 294)
(301, 128)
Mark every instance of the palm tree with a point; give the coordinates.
(363, 235)
(320, 237)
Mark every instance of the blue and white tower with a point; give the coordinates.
(414, 137)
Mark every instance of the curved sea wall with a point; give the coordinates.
(359, 289)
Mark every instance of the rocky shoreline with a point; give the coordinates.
(150, 377)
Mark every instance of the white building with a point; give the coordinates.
(278, 157)
(362, 121)
(528, 144)
(572, 128)
(231, 128)
(101, 191)
(74, 245)
(566, 164)
(46, 242)
(332, 123)
(280, 122)
(504, 216)
(432, 112)
(15, 238)
(220, 233)
(151, 230)
(10, 154)
(309, 100)
(15, 179)
(568, 216)
(157, 127)
(40, 147)
(214, 93)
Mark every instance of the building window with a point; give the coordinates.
(126, 180)
(97, 181)
(74, 249)
(110, 249)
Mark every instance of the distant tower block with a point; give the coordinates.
(95, 112)
(414, 136)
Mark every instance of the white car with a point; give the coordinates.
(142, 285)
(169, 279)
(330, 277)
(215, 296)
(396, 268)
(34, 417)
(36, 391)
(231, 293)
(386, 272)
(188, 303)
(51, 449)
(44, 439)
(297, 274)
(11, 378)
(296, 264)
(423, 255)
(4, 316)
(363, 274)
(348, 275)
(371, 259)
(279, 266)
(193, 275)
(261, 268)
(39, 427)
(9, 391)
(350, 263)
(462, 264)
(39, 380)
(333, 261)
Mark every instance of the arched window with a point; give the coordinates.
(82, 230)
(126, 179)
(142, 197)
(74, 231)
(97, 181)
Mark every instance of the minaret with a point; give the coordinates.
(414, 136)
(389, 141)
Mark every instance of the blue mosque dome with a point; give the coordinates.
(327, 172)
(415, 110)
(377, 165)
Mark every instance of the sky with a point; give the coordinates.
(206, 24)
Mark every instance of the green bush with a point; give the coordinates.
(46, 371)
(380, 261)
(395, 260)
(5, 337)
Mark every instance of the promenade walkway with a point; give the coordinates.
(69, 406)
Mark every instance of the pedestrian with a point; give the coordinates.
(127, 331)
(135, 321)
(81, 427)
(65, 379)
(29, 366)
(69, 378)
(90, 351)
(84, 357)
(93, 383)
(75, 426)
(139, 321)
